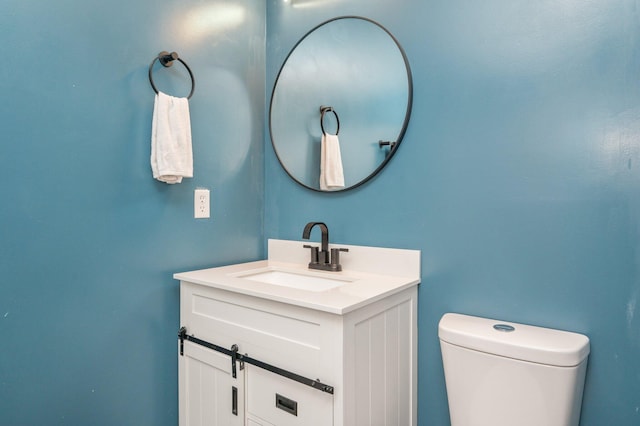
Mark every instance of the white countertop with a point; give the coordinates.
(391, 271)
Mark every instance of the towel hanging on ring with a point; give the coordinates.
(171, 149)
(331, 172)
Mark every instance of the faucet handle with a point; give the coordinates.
(335, 258)
(314, 253)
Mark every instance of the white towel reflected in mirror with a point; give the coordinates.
(331, 173)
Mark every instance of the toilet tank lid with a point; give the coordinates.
(518, 341)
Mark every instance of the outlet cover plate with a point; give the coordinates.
(201, 204)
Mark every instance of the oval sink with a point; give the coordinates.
(296, 280)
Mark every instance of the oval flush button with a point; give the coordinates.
(504, 327)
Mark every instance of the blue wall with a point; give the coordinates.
(518, 180)
(519, 176)
(88, 240)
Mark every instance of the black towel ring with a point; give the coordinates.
(323, 111)
(166, 59)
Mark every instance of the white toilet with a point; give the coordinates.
(507, 374)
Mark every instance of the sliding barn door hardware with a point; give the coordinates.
(242, 358)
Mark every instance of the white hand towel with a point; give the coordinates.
(171, 151)
(331, 173)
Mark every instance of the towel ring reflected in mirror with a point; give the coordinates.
(323, 111)
(166, 59)
(360, 69)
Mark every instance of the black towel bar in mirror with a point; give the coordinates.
(390, 144)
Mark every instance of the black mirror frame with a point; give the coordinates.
(393, 146)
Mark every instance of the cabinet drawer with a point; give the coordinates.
(283, 402)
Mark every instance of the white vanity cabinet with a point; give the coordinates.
(360, 359)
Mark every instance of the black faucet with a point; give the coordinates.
(323, 259)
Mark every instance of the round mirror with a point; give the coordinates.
(349, 80)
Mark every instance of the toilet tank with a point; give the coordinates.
(506, 374)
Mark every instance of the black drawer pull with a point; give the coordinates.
(286, 404)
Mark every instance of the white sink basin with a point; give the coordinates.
(303, 281)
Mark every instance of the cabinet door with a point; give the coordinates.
(252, 421)
(208, 393)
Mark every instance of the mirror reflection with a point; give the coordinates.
(355, 67)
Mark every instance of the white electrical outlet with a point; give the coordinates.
(201, 209)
